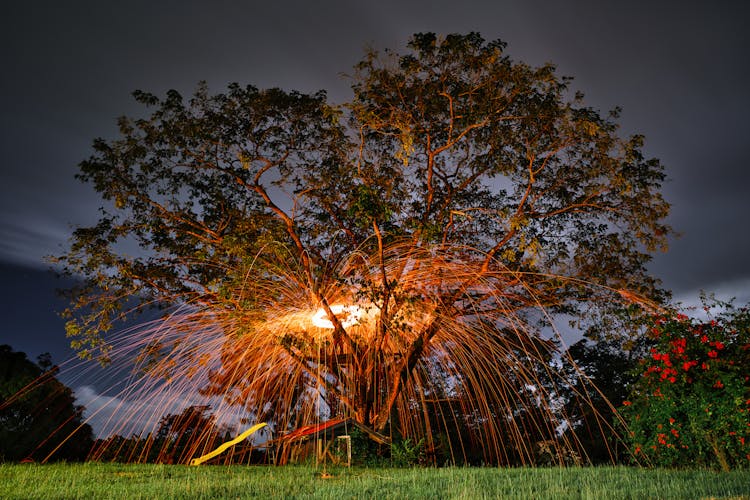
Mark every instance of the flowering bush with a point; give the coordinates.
(691, 405)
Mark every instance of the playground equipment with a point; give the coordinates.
(221, 449)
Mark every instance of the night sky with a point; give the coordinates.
(678, 69)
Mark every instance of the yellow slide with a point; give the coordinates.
(221, 449)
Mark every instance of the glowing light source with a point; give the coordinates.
(348, 315)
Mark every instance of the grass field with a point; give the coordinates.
(95, 480)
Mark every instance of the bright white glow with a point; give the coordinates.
(348, 315)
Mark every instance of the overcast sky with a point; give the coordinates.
(679, 70)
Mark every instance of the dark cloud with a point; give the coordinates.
(29, 307)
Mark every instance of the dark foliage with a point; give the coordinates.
(38, 414)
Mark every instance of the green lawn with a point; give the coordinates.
(94, 480)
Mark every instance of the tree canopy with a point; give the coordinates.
(459, 197)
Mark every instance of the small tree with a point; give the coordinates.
(184, 436)
(38, 414)
(611, 365)
(691, 405)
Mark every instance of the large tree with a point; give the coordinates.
(455, 203)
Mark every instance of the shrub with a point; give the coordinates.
(691, 404)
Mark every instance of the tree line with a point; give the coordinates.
(678, 396)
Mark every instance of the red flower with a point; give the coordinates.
(626, 403)
(719, 384)
(671, 420)
(687, 364)
(704, 339)
(712, 354)
(719, 345)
